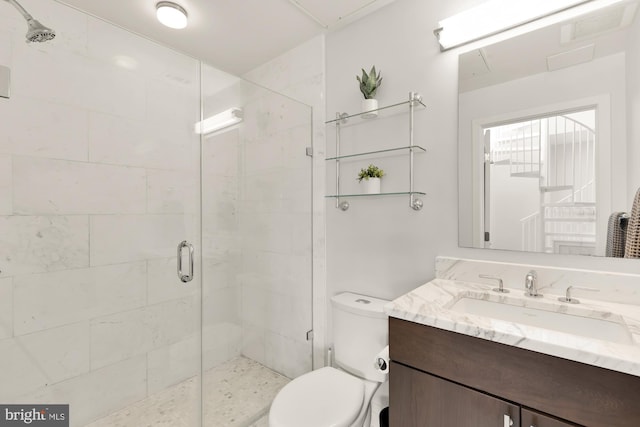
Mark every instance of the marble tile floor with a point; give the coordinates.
(237, 393)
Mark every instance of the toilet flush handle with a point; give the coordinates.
(382, 364)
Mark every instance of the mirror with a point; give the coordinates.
(545, 135)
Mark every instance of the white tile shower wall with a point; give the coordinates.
(70, 188)
(37, 244)
(33, 361)
(169, 193)
(125, 238)
(6, 188)
(98, 392)
(300, 74)
(161, 282)
(124, 335)
(56, 122)
(168, 365)
(48, 300)
(117, 140)
(6, 308)
(98, 184)
(5, 46)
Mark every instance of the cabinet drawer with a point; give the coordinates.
(420, 399)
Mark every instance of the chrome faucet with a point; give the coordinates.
(569, 299)
(501, 289)
(531, 284)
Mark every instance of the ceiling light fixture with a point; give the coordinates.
(219, 121)
(496, 16)
(172, 15)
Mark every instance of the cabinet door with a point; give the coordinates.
(420, 399)
(535, 419)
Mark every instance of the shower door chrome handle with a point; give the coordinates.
(185, 277)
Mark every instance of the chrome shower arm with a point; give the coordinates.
(21, 9)
(36, 31)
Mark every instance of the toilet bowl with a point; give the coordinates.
(339, 397)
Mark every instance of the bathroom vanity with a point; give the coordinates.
(440, 378)
(455, 365)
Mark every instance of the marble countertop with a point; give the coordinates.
(431, 304)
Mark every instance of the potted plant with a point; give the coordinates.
(371, 176)
(369, 84)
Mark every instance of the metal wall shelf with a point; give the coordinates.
(399, 193)
(369, 153)
(414, 101)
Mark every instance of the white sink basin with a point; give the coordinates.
(561, 322)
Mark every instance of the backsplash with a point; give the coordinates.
(610, 286)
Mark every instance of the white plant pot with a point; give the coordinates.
(371, 185)
(367, 106)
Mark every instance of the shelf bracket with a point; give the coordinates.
(341, 118)
(414, 98)
(416, 204)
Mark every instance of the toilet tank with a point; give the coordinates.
(360, 332)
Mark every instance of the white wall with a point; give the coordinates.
(98, 184)
(380, 246)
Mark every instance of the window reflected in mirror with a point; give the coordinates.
(548, 165)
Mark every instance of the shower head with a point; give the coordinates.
(36, 32)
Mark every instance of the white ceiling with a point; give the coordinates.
(233, 35)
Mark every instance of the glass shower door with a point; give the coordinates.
(99, 183)
(256, 226)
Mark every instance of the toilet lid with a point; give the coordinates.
(323, 398)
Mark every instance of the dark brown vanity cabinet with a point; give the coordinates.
(445, 379)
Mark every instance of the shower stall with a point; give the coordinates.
(114, 163)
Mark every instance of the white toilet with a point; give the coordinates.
(330, 397)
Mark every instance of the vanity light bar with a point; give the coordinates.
(219, 121)
(496, 16)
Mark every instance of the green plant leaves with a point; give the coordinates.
(369, 83)
(371, 171)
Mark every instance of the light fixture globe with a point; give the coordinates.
(172, 15)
